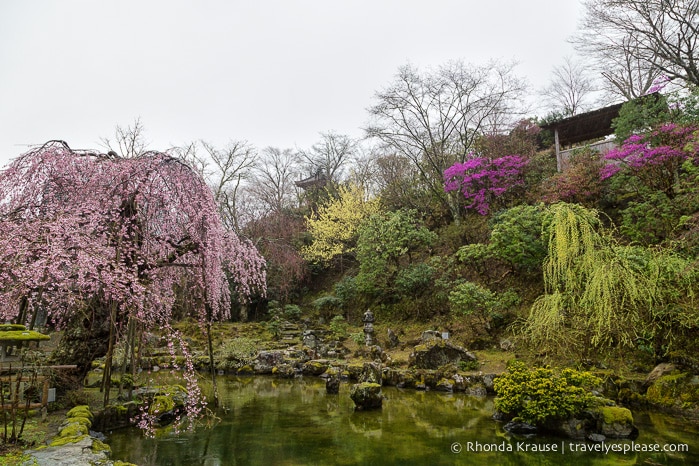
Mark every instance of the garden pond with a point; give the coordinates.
(271, 421)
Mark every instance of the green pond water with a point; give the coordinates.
(294, 422)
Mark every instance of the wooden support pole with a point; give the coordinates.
(559, 162)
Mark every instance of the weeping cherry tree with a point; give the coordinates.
(87, 236)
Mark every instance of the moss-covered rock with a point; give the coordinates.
(371, 372)
(366, 396)
(679, 390)
(615, 422)
(615, 414)
(161, 404)
(437, 353)
(87, 422)
(22, 335)
(354, 370)
(62, 440)
(316, 366)
(80, 411)
(445, 385)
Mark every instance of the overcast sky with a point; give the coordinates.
(272, 72)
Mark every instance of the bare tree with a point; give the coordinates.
(363, 169)
(432, 119)
(570, 88)
(128, 142)
(274, 178)
(635, 41)
(225, 171)
(330, 155)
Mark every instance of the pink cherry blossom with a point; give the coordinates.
(79, 227)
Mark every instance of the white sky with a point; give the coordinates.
(272, 72)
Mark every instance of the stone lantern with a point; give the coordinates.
(368, 320)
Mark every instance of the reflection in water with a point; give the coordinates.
(294, 422)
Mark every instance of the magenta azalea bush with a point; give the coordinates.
(655, 157)
(480, 179)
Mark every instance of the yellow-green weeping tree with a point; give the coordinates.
(334, 227)
(599, 293)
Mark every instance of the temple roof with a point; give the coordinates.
(585, 126)
(589, 125)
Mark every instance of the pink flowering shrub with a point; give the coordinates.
(481, 180)
(655, 157)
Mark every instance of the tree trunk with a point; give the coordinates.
(107, 376)
(85, 338)
(212, 365)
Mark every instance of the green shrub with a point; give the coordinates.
(358, 337)
(387, 242)
(640, 115)
(414, 280)
(470, 298)
(469, 365)
(346, 291)
(473, 300)
(650, 221)
(292, 312)
(274, 327)
(539, 395)
(516, 237)
(240, 350)
(339, 327)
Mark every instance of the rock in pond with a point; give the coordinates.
(366, 395)
(615, 422)
(332, 385)
(520, 428)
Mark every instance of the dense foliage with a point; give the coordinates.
(601, 293)
(385, 248)
(537, 396)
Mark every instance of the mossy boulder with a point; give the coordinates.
(74, 441)
(266, 361)
(615, 422)
(71, 432)
(679, 390)
(9, 336)
(316, 367)
(80, 411)
(437, 353)
(445, 385)
(161, 404)
(87, 422)
(371, 373)
(366, 396)
(354, 370)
